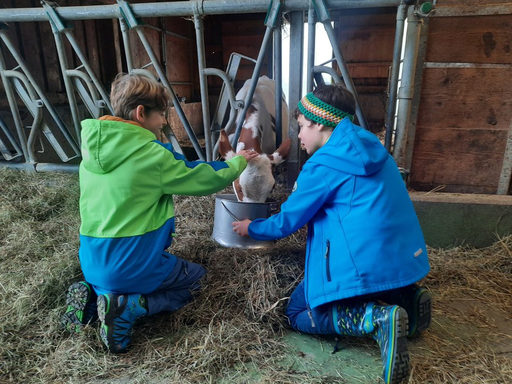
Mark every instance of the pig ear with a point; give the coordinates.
(225, 148)
(281, 153)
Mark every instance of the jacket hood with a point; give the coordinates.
(106, 143)
(352, 150)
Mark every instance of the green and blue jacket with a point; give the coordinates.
(127, 179)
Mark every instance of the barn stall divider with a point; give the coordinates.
(84, 82)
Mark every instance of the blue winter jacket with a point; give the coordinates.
(363, 233)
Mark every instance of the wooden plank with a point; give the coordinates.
(362, 70)
(247, 28)
(476, 39)
(119, 48)
(183, 91)
(178, 59)
(367, 38)
(106, 50)
(245, 45)
(91, 50)
(52, 68)
(79, 33)
(194, 114)
(466, 98)
(461, 159)
(139, 54)
(30, 45)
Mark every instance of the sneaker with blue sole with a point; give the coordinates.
(117, 314)
(82, 310)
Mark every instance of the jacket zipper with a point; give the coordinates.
(327, 260)
(306, 277)
(310, 314)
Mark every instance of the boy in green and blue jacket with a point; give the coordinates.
(127, 180)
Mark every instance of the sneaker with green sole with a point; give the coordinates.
(82, 310)
(117, 314)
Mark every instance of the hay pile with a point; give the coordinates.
(233, 332)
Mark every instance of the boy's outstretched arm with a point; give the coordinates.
(200, 178)
(242, 227)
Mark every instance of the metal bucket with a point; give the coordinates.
(229, 209)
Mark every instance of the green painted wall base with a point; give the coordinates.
(449, 219)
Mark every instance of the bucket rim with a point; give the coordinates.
(231, 197)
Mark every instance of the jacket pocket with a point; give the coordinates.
(327, 260)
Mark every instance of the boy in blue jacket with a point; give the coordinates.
(364, 246)
(128, 177)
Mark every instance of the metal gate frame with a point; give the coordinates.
(131, 13)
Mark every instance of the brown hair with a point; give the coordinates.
(336, 95)
(131, 90)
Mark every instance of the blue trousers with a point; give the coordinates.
(177, 289)
(317, 320)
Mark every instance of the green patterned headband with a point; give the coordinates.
(315, 109)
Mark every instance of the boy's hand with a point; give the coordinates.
(247, 154)
(242, 227)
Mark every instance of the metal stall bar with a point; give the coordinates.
(325, 19)
(134, 23)
(229, 97)
(406, 91)
(311, 49)
(506, 168)
(4, 150)
(278, 78)
(222, 106)
(270, 22)
(42, 167)
(71, 77)
(34, 99)
(201, 62)
(395, 70)
(319, 69)
(180, 8)
(295, 92)
(11, 98)
(418, 82)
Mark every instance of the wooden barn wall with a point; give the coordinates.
(180, 60)
(465, 108)
(366, 38)
(226, 34)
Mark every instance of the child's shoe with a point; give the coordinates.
(82, 310)
(419, 309)
(417, 301)
(386, 324)
(390, 331)
(118, 313)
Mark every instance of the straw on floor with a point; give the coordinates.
(233, 332)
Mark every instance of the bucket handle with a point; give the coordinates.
(230, 213)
